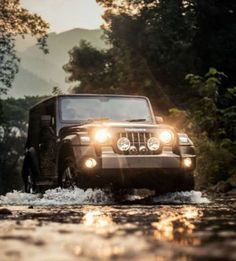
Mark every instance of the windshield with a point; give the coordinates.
(75, 109)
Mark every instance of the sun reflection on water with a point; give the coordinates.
(97, 219)
(102, 226)
(177, 226)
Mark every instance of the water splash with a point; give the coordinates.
(76, 196)
(192, 197)
(58, 197)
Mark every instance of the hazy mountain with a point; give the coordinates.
(45, 71)
(24, 43)
(28, 83)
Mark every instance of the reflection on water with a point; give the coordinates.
(137, 232)
(97, 219)
(177, 226)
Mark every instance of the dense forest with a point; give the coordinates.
(181, 54)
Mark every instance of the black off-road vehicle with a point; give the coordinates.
(101, 141)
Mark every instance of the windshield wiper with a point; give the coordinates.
(97, 119)
(93, 120)
(81, 122)
(136, 120)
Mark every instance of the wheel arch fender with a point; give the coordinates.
(65, 149)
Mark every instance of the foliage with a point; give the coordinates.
(90, 68)
(174, 36)
(154, 44)
(56, 91)
(213, 129)
(15, 20)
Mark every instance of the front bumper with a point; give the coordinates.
(166, 160)
(137, 171)
(109, 161)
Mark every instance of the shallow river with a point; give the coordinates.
(92, 225)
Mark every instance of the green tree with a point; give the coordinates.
(15, 20)
(174, 38)
(215, 39)
(90, 68)
(13, 133)
(213, 129)
(151, 40)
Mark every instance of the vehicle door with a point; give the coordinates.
(47, 141)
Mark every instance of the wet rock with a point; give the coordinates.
(224, 186)
(221, 187)
(5, 211)
(12, 253)
(232, 181)
(63, 231)
(39, 243)
(18, 222)
(232, 192)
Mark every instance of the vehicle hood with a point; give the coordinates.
(127, 126)
(121, 124)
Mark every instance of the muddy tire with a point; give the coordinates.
(187, 182)
(29, 173)
(182, 182)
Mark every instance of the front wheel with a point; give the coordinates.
(180, 182)
(67, 173)
(187, 181)
(29, 175)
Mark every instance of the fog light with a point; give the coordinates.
(90, 163)
(133, 150)
(142, 149)
(187, 162)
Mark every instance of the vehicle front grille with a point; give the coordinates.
(137, 140)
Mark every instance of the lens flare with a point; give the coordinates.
(102, 136)
(166, 136)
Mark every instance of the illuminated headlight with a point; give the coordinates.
(102, 136)
(166, 136)
(123, 144)
(153, 144)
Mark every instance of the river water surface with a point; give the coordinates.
(92, 225)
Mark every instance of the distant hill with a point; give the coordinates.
(45, 71)
(28, 83)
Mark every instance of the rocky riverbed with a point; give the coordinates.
(92, 225)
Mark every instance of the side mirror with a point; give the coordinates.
(46, 120)
(159, 119)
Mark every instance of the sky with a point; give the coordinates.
(63, 15)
